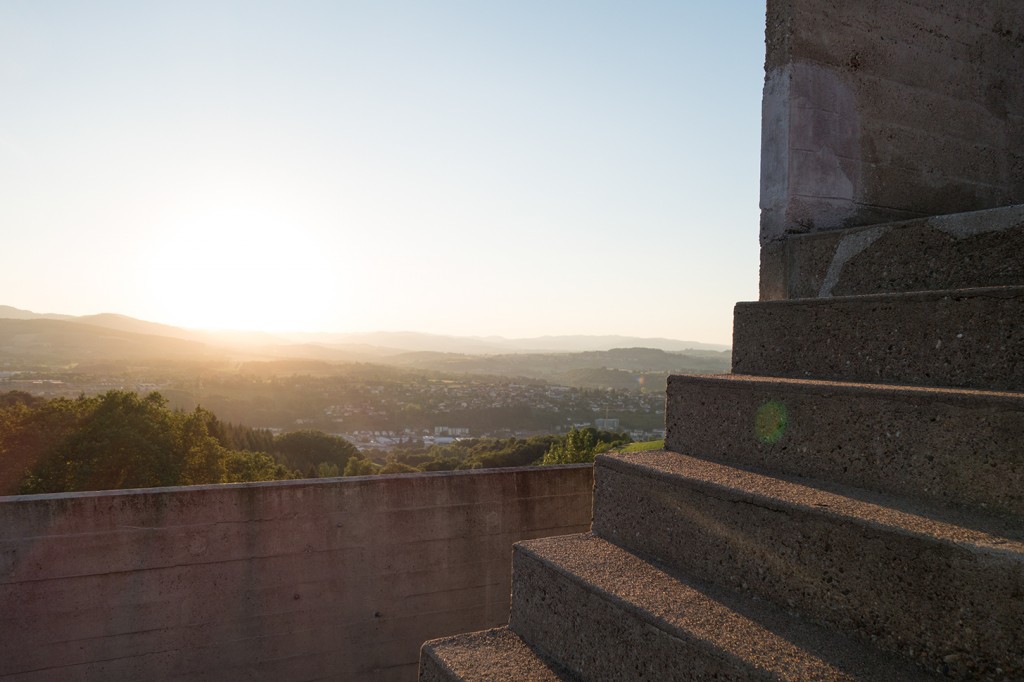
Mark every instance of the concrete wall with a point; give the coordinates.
(333, 579)
(956, 251)
(887, 110)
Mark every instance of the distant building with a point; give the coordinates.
(607, 424)
(453, 431)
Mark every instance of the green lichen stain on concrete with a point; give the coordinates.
(771, 421)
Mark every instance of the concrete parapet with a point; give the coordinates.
(338, 578)
(905, 578)
(967, 338)
(955, 447)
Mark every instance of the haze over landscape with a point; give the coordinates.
(109, 401)
(476, 170)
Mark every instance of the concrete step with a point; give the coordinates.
(958, 251)
(954, 447)
(969, 338)
(607, 614)
(910, 579)
(497, 654)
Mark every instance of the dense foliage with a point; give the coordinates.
(485, 453)
(582, 445)
(124, 440)
(314, 453)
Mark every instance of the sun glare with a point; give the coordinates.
(241, 269)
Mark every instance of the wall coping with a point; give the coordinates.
(302, 482)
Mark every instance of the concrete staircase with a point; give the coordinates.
(847, 505)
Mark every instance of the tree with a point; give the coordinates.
(243, 466)
(578, 446)
(125, 441)
(29, 431)
(582, 445)
(307, 450)
(120, 440)
(440, 464)
(325, 470)
(393, 466)
(357, 466)
(204, 456)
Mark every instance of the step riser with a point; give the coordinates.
(646, 614)
(956, 448)
(851, 576)
(432, 671)
(961, 339)
(979, 249)
(486, 655)
(597, 639)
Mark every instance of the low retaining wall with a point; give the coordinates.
(321, 579)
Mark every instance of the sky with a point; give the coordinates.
(473, 168)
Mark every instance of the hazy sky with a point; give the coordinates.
(514, 168)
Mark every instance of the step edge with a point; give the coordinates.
(679, 632)
(736, 381)
(1011, 215)
(646, 616)
(982, 542)
(430, 649)
(1008, 291)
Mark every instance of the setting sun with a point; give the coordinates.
(356, 167)
(232, 268)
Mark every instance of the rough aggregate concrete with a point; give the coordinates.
(897, 575)
(492, 655)
(611, 615)
(338, 579)
(875, 112)
(878, 120)
(963, 448)
(966, 250)
(966, 338)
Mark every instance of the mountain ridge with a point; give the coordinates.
(361, 346)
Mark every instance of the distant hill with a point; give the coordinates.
(580, 343)
(392, 343)
(11, 313)
(48, 341)
(134, 326)
(557, 366)
(398, 342)
(113, 336)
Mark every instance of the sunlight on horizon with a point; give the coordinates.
(242, 269)
(517, 171)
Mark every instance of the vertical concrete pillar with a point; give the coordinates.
(887, 110)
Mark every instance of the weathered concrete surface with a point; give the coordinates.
(333, 579)
(874, 113)
(610, 615)
(968, 338)
(490, 655)
(881, 111)
(955, 447)
(965, 250)
(944, 589)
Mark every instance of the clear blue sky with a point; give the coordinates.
(510, 168)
